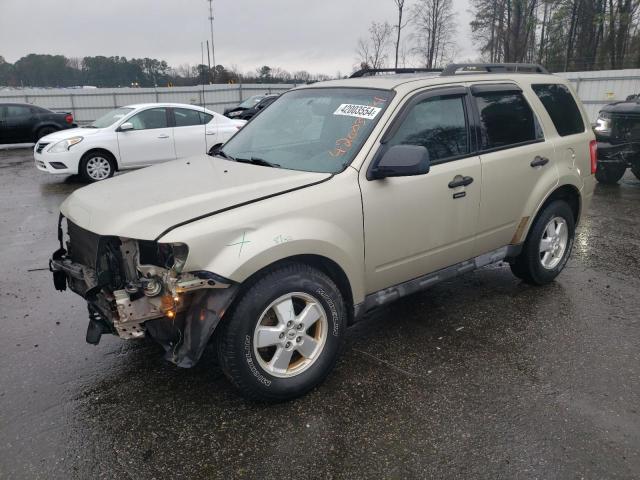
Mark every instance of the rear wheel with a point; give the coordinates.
(45, 131)
(548, 245)
(96, 166)
(609, 173)
(284, 334)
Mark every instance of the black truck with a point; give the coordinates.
(618, 133)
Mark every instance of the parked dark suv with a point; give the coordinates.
(618, 133)
(24, 123)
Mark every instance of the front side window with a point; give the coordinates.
(312, 129)
(186, 117)
(150, 119)
(506, 119)
(110, 118)
(562, 108)
(438, 124)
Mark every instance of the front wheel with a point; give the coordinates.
(284, 334)
(548, 245)
(96, 166)
(609, 174)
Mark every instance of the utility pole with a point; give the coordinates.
(213, 50)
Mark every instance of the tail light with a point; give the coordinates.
(593, 152)
(68, 118)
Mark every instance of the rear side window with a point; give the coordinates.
(186, 117)
(439, 125)
(17, 111)
(562, 108)
(506, 119)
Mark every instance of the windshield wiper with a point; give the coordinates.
(258, 161)
(221, 153)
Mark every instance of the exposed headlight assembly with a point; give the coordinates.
(64, 145)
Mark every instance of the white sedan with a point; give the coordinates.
(134, 136)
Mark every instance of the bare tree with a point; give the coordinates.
(399, 27)
(372, 52)
(435, 29)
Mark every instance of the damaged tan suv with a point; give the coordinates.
(339, 198)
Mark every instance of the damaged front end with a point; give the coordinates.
(138, 287)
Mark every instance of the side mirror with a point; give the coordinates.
(125, 126)
(400, 161)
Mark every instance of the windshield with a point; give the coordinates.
(315, 129)
(110, 118)
(251, 101)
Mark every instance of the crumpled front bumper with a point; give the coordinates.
(181, 317)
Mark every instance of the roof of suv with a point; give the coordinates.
(411, 81)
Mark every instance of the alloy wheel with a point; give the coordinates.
(290, 335)
(553, 243)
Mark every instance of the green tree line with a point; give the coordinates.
(36, 70)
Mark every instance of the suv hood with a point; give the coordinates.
(144, 203)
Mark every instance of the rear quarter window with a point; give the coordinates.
(561, 107)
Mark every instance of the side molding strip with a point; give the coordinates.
(387, 295)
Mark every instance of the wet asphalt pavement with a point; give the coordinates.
(479, 377)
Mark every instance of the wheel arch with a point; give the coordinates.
(102, 150)
(567, 192)
(320, 262)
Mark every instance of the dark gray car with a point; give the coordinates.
(24, 123)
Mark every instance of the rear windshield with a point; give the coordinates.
(562, 108)
(315, 129)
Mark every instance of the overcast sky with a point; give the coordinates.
(315, 35)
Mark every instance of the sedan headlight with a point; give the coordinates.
(234, 114)
(64, 145)
(603, 124)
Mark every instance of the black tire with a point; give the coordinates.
(528, 265)
(101, 157)
(235, 341)
(44, 131)
(609, 174)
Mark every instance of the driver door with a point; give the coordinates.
(150, 141)
(415, 225)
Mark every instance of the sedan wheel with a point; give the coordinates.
(96, 166)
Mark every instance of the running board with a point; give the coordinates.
(391, 294)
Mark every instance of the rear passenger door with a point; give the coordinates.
(18, 123)
(190, 132)
(518, 165)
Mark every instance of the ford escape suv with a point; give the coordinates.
(340, 197)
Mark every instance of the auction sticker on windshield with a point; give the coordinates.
(360, 111)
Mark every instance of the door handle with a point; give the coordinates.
(210, 132)
(460, 181)
(539, 161)
(164, 135)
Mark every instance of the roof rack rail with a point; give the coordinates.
(454, 68)
(373, 71)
